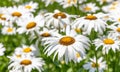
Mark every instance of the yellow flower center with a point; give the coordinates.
(28, 7)
(112, 8)
(108, 41)
(87, 8)
(18, 14)
(95, 65)
(104, 0)
(18, 56)
(27, 50)
(46, 34)
(78, 30)
(31, 25)
(9, 29)
(67, 40)
(91, 17)
(26, 62)
(118, 29)
(69, 1)
(77, 55)
(2, 17)
(60, 14)
(62, 62)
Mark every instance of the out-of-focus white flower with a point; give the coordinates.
(2, 49)
(58, 19)
(104, 1)
(69, 3)
(90, 7)
(94, 64)
(31, 6)
(8, 30)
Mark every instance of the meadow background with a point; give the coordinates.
(10, 42)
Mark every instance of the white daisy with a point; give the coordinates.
(8, 30)
(69, 3)
(107, 43)
(66, 46)
(30, 24)
(90, 7)
(2, 49)
(3, 16)
(47, 2)
(31, 6)
(104, 1)
(93, 65)
(30, 50)
(115, 6)
(89, 22)
(15, 13)
(115, 29)
(81, 1)
(26, 64)
(58, 19)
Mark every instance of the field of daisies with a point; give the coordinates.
(60, 36)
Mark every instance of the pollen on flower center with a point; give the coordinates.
(2, 17)
(31, 25)
(108, 41)
(28, 7)
(77, 55)
(46, 34)
(60, 14)
(91, 17)
(18, 14)
(18, 56)
(87, 8)
(27, 50)
(9, 29)
(118, 29)
(78, 30)
(26, 62)
(95, 65)
(68, 1)
(67, 40)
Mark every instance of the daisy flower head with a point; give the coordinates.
(81, 1)
(104, 1)
(57, 19)
(66, 46)
(26, 50)
(8, 30)
(26, 64)
(30, 24)
(48, 32)
(89, 22)
(15, 13)
(31, 6)
(2, 49)
(69, 3)
(94, 64)
(115, 17)
(3, 17)
(90, 7)
(47, 2)
(107, 43)
(111, 8)
(115, 29)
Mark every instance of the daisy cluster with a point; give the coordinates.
(90, 39)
